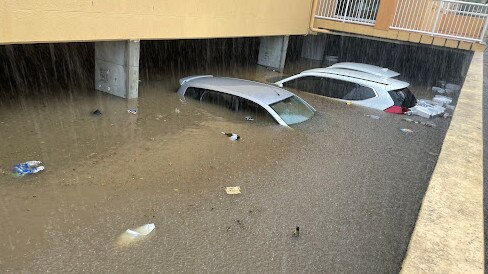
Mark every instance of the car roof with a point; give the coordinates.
(389, 83)
(267, 94)
(371, 69)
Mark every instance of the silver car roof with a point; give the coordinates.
(371, 69)
(267, 94)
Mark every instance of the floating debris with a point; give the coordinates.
(177, 110)
(348, 103)
(141, 231)
(442, 100)
(232, 136)
(132, 111)
(132, 235)
(375, 117)
(248, 118)
(406, 130)
(29, 167)
(96, 112)
(296, 232)
(232, 190)
(428, 124)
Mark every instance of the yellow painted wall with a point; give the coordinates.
(30, 21)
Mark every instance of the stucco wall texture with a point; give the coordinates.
(33, 21)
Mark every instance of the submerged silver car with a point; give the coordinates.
(284, 107)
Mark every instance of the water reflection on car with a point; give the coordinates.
(246, 96)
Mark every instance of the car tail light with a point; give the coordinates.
(396, 109)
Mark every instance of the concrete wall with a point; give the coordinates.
(30, 21)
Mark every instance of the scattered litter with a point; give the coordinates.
(141, 231)
(159, 116)
(177, 110)
(348, 103)
(375, 117)
(232, 136)
(438, 90)
(132, 235)
(91, 155)
(176, 190)
(296, 232)
(431, 108)
(132, 111)
(442, 100)
(406, 130)
(426, 110)
(232, 190)
(29, 167)
(428, 124)
(248, 118)
(96, 112)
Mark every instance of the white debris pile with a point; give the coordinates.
(446, 88)
(431, 108)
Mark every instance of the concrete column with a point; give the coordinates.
(272, 52)
(313, 47)
(117, 68)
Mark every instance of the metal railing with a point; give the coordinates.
(446, 18)
(352, 11)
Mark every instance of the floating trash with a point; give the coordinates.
(132, 111)
(232, 190)
(232, 136)
(296, 232)
(96, 112)
(248, 118)
(406, 130)
(29, 167)
(348, 103)
(177, 110)
(141, 231)
(132, 235)
(428, 124)
(375, 117)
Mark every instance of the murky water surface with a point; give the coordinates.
(351, 183)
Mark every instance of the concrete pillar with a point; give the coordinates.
(272, 52)
(117, 68)
(313, 47)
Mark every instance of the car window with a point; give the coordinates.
(403, 97)
(239, 105)
(310, 84)
(359, 93)
(331, 88)
(213, 97)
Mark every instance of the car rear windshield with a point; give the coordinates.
(403, 98)
(292, 110)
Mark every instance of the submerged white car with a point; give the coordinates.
(361, 84)
(236, 94)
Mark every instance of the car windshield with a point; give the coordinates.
(292, 110)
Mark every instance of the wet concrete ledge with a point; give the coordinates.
(448, 235)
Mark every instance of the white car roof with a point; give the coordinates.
(388, 83)
(371, 69)
(264, 93)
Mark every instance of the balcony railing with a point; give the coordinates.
(452, 19)
(352, 11)
(446, 18)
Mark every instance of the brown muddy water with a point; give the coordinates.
(351, 183)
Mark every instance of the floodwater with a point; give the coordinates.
(351, 183)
